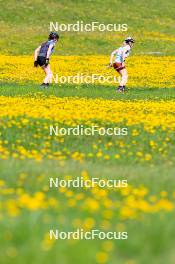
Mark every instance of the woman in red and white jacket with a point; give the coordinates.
(118, 64)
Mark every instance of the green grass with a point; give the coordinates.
(151, 235)
(20, 36)
(24, 25)
(148, 241)
(88, 91)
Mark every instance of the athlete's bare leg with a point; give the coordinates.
(124, 77)
(48, 72)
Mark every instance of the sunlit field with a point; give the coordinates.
(141, 153)
(30, 156)
(144, 71)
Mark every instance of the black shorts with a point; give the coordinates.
(41, 61)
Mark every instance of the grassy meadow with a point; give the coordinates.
(30, 156)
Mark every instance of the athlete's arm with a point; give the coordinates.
(36, 53)
(112, 56)
(125, 53)
(49, 51)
